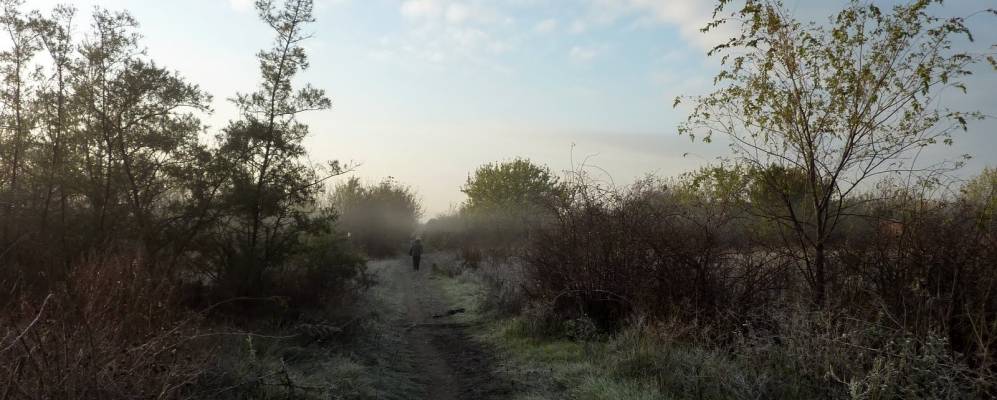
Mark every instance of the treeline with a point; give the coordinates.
(125, 223)
(820, 261)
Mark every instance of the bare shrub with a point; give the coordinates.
(113, 330)
(325, 273)
(649, 249)
(910, 308)
(932, 276)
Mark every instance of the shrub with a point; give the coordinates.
(325, 273)
(113, 330)
(646, 249)
(380, 218)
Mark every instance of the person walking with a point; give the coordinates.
(416, 252)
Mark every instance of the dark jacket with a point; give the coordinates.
(416, 249)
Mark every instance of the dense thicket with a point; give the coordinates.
(822, 256)
(912, 270)
(117, 208)
(105, 152)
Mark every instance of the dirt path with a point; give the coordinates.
(450, 364)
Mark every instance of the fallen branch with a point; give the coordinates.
(30, 325)
(449, 313)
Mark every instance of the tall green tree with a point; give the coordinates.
(843, 103)
(272, 185)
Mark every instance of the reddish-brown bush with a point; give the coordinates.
(112, 330)
(642, 250)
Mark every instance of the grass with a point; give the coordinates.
(645, 361)
(639, 362)
(370, 362)
(545, 369)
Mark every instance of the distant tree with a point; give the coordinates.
(505, 201)
(380, 218)
(981, 192)
(720, 184)
(841, 103)
(512, 186)
(982, 189)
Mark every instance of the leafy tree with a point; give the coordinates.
(981, 192)
(719, 184)
(511, 186)
(982, 189)
(137, 125)
(841, 103)
(505, 200)
(380, 218)
(272, 186)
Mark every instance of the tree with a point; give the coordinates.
(505, 201)
(982, 189)
(981, 192)
(15, 93)
(138, 126)
(55, 34)
(842, 103)
(271, 184)
(511, 186)
(380, 218)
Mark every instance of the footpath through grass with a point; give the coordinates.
(549, 368)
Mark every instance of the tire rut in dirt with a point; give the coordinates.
(471, 364)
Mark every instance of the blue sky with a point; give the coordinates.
(427, 90)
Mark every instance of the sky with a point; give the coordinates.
(426, 91)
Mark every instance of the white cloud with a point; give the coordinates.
(586, 53)
(421, 8)
(445, 30)
(323, 4)
(241, 5)
(579, 26)
(454, 12)
(546, 26)
(688, 16)
(458, 13)
(468, 38)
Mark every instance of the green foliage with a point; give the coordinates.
(840, 103)
(505, 201)
(722, 183)
(105, 155)
(271, 190)
(509, 187)
(981, 190)
(379, 218)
